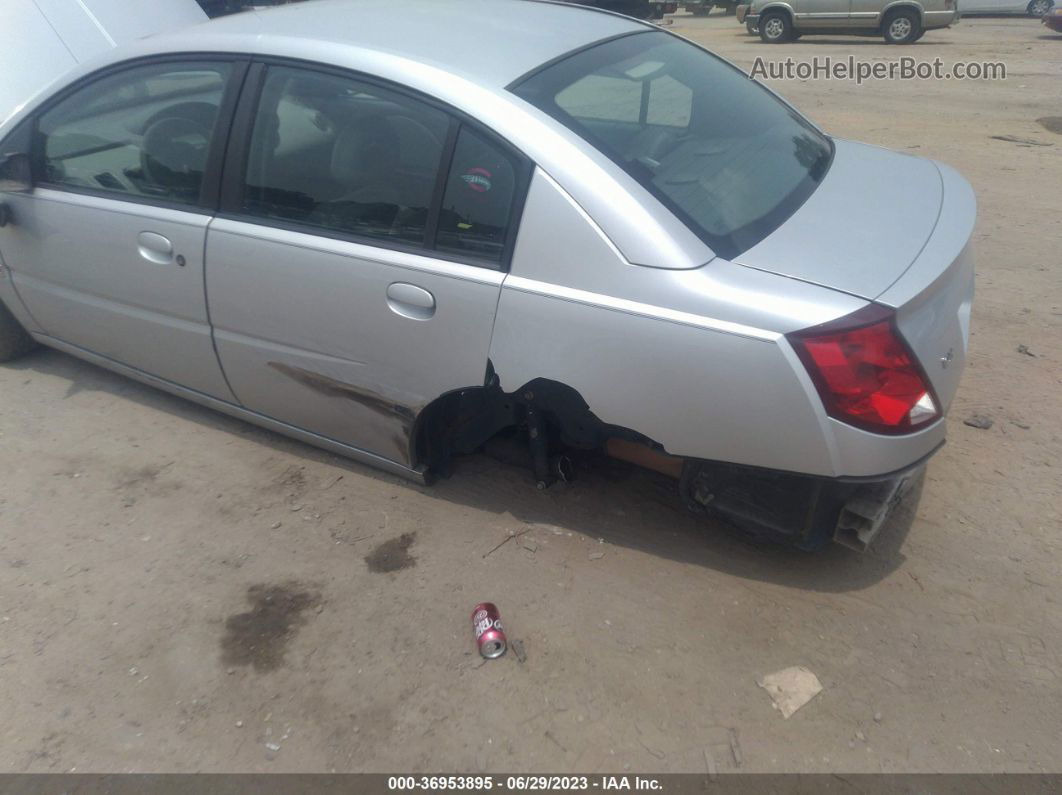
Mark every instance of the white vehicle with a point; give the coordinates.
(1034, 8)
(53, 36)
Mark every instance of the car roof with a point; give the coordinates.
(492, 42)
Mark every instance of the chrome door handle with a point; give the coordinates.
(410, 301)
(155, 248)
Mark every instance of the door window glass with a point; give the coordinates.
(144, 132)
(477, 205)
(349, 157)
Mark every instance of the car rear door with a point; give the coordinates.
(106, 253)
(354, 271)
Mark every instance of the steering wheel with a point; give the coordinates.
(173, 152)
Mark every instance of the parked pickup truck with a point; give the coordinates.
(898, 21)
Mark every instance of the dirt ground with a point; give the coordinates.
(183, 592)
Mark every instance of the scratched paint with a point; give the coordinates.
(373, 401)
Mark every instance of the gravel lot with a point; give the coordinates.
(183, 592)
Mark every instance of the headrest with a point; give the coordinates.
(364, 150)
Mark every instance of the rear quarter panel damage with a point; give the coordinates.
(694, 360)
(698, 392)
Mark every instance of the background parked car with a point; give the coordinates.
(702, 8)
(742, 12)
(1053, 19)
(1034, 8)
(638, 9)
(54, 37)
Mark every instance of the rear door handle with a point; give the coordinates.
(155, 248)
(410, 301)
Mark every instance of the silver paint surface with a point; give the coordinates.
(344, 343)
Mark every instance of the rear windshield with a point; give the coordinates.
(721, 152)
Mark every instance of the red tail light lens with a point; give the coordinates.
(866, 373)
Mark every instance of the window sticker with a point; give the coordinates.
(478, 179)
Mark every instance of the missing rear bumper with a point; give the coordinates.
(796, 510)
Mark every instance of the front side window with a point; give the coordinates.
(344, 156)
(723, 154)
(142, 133)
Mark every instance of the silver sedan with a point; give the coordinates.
(557, 227)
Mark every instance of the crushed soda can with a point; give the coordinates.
(487, 627)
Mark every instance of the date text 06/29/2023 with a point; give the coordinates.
(540, 783)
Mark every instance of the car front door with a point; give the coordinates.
(106, 252)
(355, 268)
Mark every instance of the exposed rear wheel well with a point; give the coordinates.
(533, 427)
(461, 422)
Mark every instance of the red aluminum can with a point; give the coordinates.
(487, 627)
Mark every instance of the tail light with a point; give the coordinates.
(866, 374)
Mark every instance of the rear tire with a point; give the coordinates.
(902, 27)
(14, 341)
(1037, 8)
(776, 28)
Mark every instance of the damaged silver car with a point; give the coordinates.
(397, 242)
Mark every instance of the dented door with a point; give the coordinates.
(354, 276)
(337, 338)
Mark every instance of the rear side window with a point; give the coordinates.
(477, 206)
(142, 133)
(346, 156)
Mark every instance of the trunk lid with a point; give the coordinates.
(934, 296)
(862, 228)
(896, 230)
